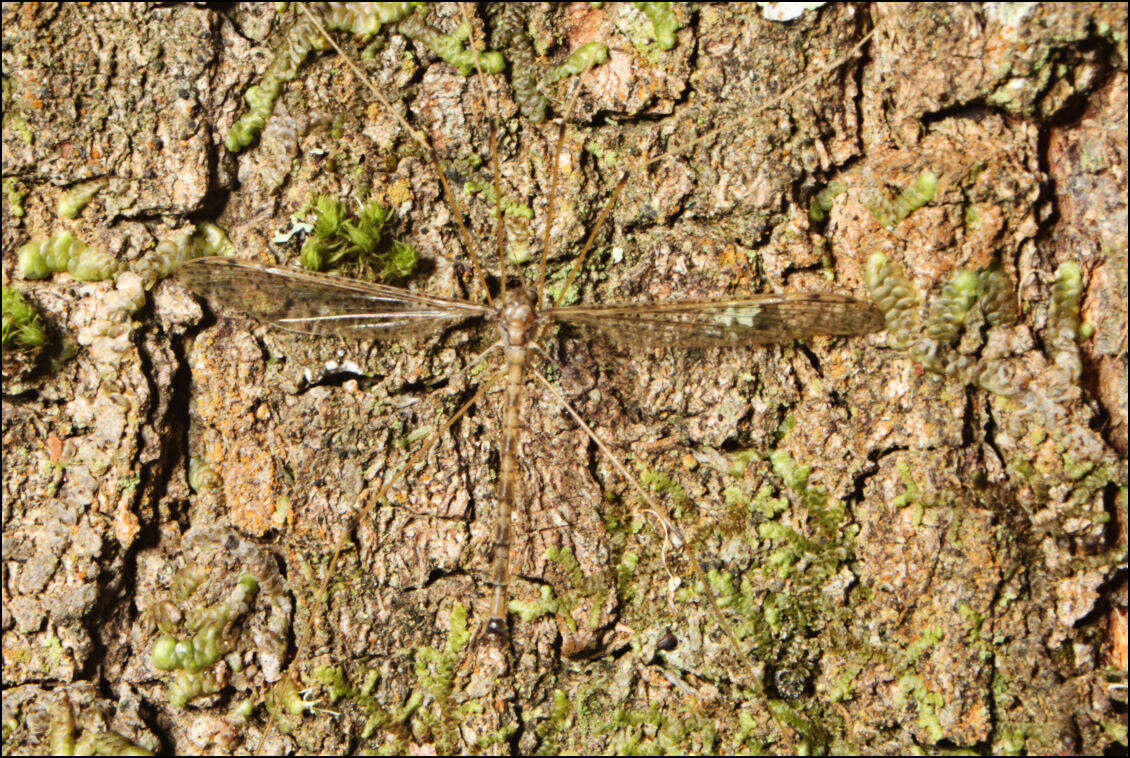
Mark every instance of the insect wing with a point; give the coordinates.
(318, 304)
(757, 319)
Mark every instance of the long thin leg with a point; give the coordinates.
(500, 233)
(648, 160)
(659, 510)
(422, 141)
(554, 173)
(429, 442)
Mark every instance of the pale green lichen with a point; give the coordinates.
(580, 60)
(1063, 320)
(192, 657)
(950, 309)
(38, 259)
(71, 202)
(15, 195)
(61, 736)
(22, 325)
(822, 201)
(889, 213)
(664, 24)
(361, 19)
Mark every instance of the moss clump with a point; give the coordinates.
(949, 310)
(39, 259)
(61, 736)
(1063, 319)
(72, 201)
(338, 237)
(22, 326)
(663, 23)
(453, 48)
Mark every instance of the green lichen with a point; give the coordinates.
(361, 19)
(22, 325)
(192, 657)
(71, 202)
(202, 240)
(664, 24)
(823, 200)
(580, 60)
(61, 736)
(15, 195)
(1063, 320)
(889, 213)
(39, 259)
(339, 236)
(949, 310)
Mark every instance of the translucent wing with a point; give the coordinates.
(756, 319)
(318, 304)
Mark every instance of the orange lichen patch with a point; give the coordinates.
(1116, 629)
(54, 447)
(251, 491)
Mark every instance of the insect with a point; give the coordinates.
(522, 314)
(316, 304)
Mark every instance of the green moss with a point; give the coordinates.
(72, 201)
(339, 236)
(535, 609)
(18, 124)
(22, 326)
(949, 310)
(453, 49)
(15, 195)
(61, 736)
(663, 23)
(1064, 324)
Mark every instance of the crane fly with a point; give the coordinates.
(324, 305)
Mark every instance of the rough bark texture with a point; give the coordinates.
(950, 572)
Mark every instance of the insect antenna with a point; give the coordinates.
(420, 139)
